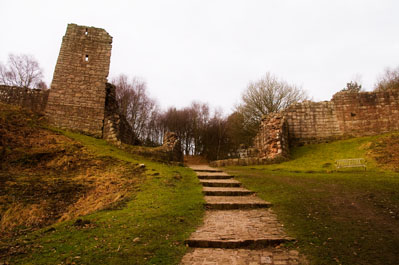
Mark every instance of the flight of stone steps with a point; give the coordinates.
(238, 228)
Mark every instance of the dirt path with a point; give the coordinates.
(239, 228)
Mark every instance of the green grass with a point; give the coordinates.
(148, 229)
(345, 217)
(321, 157)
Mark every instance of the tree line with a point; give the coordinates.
(202, 130)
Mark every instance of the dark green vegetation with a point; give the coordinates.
(88, 202)
(350, 216)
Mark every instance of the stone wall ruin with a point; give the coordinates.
(80, 98)
(272, 139)
(116, 128)
(78, 90)
(367, 113)
(347, 115)
(32, 99)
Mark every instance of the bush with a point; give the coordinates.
(353, 87)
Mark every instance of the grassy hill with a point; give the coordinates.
(346, 216)
(67, 198)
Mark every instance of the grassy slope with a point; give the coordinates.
(149, 229)
(321, 157)
(345, 217)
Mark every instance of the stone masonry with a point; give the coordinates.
(78, 90)
(80, 98)
(368, 113)
(312, 122)
(116, 128)
(272, 139)
(347, 115)
(33, 99)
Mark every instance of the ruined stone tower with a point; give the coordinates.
(78, 90)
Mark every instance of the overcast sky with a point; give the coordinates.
(208, 51)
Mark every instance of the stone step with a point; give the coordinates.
(247, 243)
(239, 229)
(214, 176)
(234, 202)
(204, 168)
(242, 256)
(226, 191)
(208, 170)
(220, 183)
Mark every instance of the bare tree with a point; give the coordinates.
(267, 95)
(389, 80)
(200, 130)
(237, 133)
(180, 122)
(215, 139)
(153, 134)
(199, 117)
(191, 124)
(21, 70)
(134, 102)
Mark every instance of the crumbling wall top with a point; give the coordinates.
(90, 33)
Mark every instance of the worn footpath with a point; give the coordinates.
(239, 228)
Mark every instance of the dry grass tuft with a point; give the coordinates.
(47, 177)
(19, 214)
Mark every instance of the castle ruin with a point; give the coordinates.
(78, 90)
(348, 114)
(80, 98)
